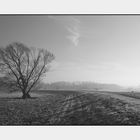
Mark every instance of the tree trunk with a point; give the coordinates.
(25, 95)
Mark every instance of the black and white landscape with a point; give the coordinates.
(69, 70)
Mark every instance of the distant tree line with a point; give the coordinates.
(81, 86)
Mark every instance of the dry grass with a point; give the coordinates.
(66, 108)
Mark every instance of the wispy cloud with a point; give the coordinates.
(74, 36)
(71, 24)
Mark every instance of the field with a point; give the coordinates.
(70, 108)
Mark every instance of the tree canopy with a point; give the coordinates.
(23, 65)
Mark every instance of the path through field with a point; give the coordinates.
(97, 109)
(71, 108)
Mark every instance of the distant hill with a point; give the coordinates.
(6, 85)
(81, 86)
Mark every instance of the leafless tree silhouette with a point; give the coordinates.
(23, 65)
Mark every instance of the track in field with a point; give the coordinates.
(95, 109)
(72, 105)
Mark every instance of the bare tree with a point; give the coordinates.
(24, 66)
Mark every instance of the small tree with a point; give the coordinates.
(24, 66)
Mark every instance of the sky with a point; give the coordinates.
(96, 48)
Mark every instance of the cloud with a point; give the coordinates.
(71, 24)
(73, 29)
(74, 36)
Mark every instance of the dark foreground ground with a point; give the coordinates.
(71, 108)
